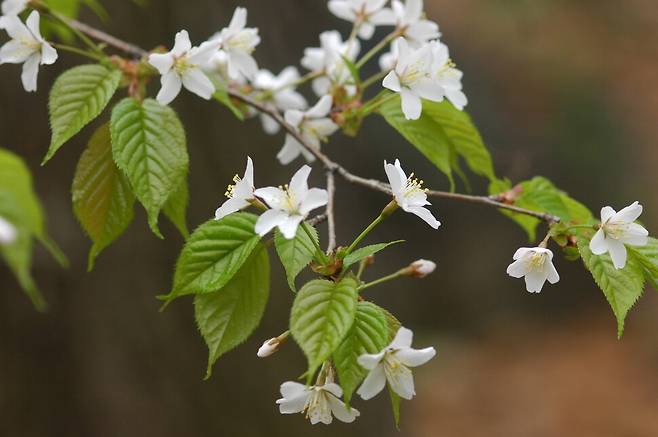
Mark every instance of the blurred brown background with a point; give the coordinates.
(559, 88)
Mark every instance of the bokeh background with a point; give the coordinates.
(559, 88)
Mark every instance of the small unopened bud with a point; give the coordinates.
(272, 345)
(421, 268)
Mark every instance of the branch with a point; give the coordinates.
(329, 165)
(331, 222)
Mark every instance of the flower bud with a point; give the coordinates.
(272, 345)
(421, 268)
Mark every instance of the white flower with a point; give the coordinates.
(392, 364)
(387, 60)
(278, 92)
(239, 195)
(11, 8)
(319, 402)
(26, 47)
(313, 125)
(366, 13)
(327, 60)
(238, 42)
(409, 193)
(447, 76)
(536, 264)
(413, 78)
(409, 18)
(617, 229)
(422, 268)
(182, 67)
(8, 232)
(290, 204)
(268, 348)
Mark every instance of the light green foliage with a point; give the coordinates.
(228, 316)
(102, 200)
(149, 146)
(176, 208)
(322, 314)
(365, 252)
(369, 335)
(443, 134)
(621, 287)
(78, 96)
(222, 97)
(213, 254)
(539, 194)
(295, 254)
(647, 256)
(20, 206)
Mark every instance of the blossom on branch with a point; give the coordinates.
(410, 21)
(11, 8)
(327, 61)
(240, 195)
(536, 265)
(618, 229)
(366, 14)
(278, 92)
(447, 76)
(289, 204)
(26, 47)
(409, 193)
(181, 67)
(319, 402)
(314, 127)
(392, 364)
(238, 42)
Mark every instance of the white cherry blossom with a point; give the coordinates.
(327, 61)
(313, 125)
(447, 76)
(366, 13)
(238, 42)
(11, 8)
(409, 18)
(409, 193)
(618, 229)
(240, 195)
(181, 67)
(392, 364)
(320, 403)
(289, 205)
(413, 78)
(26, 47)
(8, 232)
(278, 92)
(536, 264)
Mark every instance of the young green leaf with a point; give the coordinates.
(322, 314)
(176, 208)
(213, 254)
(148, 145)
(369, 335)
(78, 96)
(647, 256)
(621, 287)
(228, 316)
(295, 254)
(365, 252)
(102, 200)
(18, 256)
(222, 97)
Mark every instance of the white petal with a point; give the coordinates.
(457, 98)
(269, 220)
(16, 29)
(197, 82)
(32, 23)
(322, 108)
(518, 268)
(294, 404)
(370, 361)
(551, 272)
(607, 213)
(630, 213)
(367, 30)
(290, 150)
(599, 243)
(294, 117)
(30, 72)
(273, 196)
(315, 198)
(412, 106)
(635, 235)
(270, 125)
(239, 19)
(249, 172)
(534, 281)
(428, 89)
(341, 411)
(392, 82)
(384, 17)
(171, 86)
(394, 178)
(617, 252)
(299, 182)
(424, 214)
(423, 31)
(334, 389)
(48, 54)
(244, 63)
(8, 232)
(373, 384)
(230, 206)
(321, 86)
(13, 52)
(413, 10)
(403, 338)
(415, 357)
(290, 389)
(402, 382)
(288, 227)
(204, 53)
(162, 62)
(182, 43)
(342, 9)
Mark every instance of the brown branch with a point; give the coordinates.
(329, 165)
(331, 222)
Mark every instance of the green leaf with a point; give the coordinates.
(102, 200)
(148, 145)
(647, 256)
(368, 335)
(222, 97)
(621, 287)
(176, 208)
(295, 254)
(213, 254)
(227, 317)
(365, 252)
(443, 133)
(78, 96)
(353, 69)
(395, 405)
(322, 314)
(18, 256)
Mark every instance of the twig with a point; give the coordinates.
(331, 222)
(329, 165)
(317, 219)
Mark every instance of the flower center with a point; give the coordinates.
(537, 260)
(615, 230)
(414, 73)
(30, 44)
(413, 186)
(447, 69)
(182, 64)
(317, 405)
(242, 41)
(231, 187)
